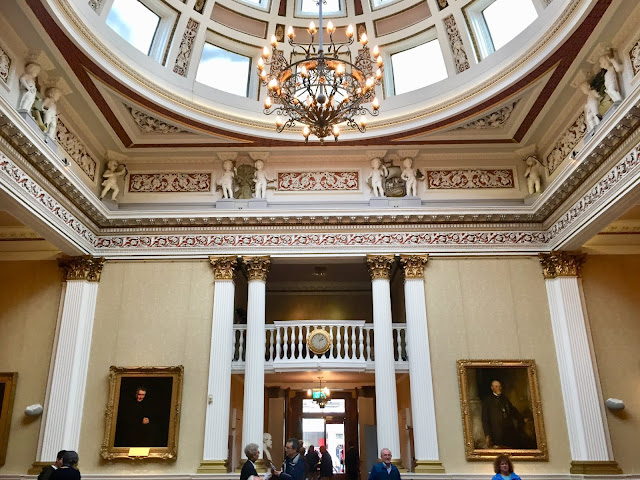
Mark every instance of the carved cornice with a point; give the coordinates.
(257, 267)
(380, 266)
(223, 266)
(414, 265)
(84, 267)
(562, 264)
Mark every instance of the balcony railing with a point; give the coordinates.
(352, 346)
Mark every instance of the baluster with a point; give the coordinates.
(406, 345)
(361, 343)
(271, 339)
(329, 328)
(339, 342)
(285, 343)
(278, 342)
(241, 346)
(353, 342)
(233, 346)
(300, 354)
(399, 341)
(369, 342)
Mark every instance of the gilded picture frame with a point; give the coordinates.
(8, 382)
(142, 418)
(501, 410)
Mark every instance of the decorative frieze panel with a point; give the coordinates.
(149, 124)
(186, 47)
(169, 182)
(476, 178)
(5, 66)
(634, 56)
(457, 47)
(565, 144)
(95, 4)
(76, 150)
(495, 119)
(324, 181)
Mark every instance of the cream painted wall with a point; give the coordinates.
(29, 299)
(319, 306)
(611, 284)
(150, 314)
(491, 308)
(404, 415)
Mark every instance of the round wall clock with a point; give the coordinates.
(319, 341)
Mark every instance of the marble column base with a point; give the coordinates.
(37, 467)
(398, 463)
(429, 466)
(213, 466)
(597, 467)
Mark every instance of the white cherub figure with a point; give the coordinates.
(50, 118)
(260, 180)
(377, 176)
(409, 176)
(533, 174)
(613, 67)
(28, 86)
(226, 180)
(111, 178)
(591, 114)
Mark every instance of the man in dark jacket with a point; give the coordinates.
(384, 470)
(47, 471)
(312, 463)
(501, 421)
(326, 464)
(294, 463)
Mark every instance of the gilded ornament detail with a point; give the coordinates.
(257, 267)
(380, 266)
(562, 264)
(223, 266)
(84, 267)
(414, 265)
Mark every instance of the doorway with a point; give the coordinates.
(325, 427)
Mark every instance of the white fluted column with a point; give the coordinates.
(253, 407)
(423, 414)
(216, 431)
(60, 428)
(384, 361)
(586, 420)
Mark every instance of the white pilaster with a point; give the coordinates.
(385, 375)
(422, 400)
(70, 360)
(216, 432)
(586, 421)
(253, 407)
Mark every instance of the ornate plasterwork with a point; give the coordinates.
(321, 181)
(257, 267)
(495, 119)
(457, 47)
(95, 4)
(564, 146)
(634, 56)
(414, 265)
(199, 5)
(84, 267)
(476, 178)
(76, 150)
(380, 266)
(562, 264)
(186, 47)
(169, 182)
(5, 66)
(149, 124)
(224, 266)
(442, 4)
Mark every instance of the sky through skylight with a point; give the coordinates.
(507, 18)
(134, 22)
(224, 70)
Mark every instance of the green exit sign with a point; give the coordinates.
(319, 394)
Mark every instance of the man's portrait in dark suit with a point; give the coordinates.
(501, 421)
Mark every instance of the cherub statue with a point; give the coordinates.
(50, 118)
(110, 176)
(611, 85)
(533, 174)
(377, 176)
(260, 180)
(409, 176)
(28, 86)
(226, 180)
(591, 114)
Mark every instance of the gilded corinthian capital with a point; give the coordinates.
(223, 266)
(257, 267)
(414, 265)
(562, 264)
(379, 266)
(84, 267)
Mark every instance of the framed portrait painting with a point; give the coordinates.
(7, 394)
(501, 409)
(143, 413)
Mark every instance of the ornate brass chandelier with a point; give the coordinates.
(324, 88)
(321, 396)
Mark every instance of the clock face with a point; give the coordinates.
(319, 341)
